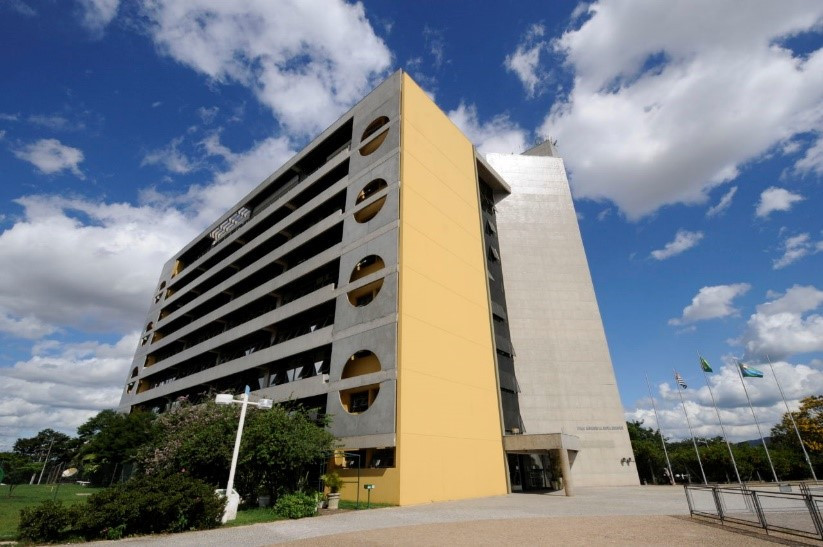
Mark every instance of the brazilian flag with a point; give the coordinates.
(705, 365)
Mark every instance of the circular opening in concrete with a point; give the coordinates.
(370, 211)
(362, 362)
(358, 400)
(363, 295)
(375, 143)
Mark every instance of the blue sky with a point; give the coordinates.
(692, 133)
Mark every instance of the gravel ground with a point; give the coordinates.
(642, 515)
(615, 530)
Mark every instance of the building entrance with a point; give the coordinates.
(533, 472)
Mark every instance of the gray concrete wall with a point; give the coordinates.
(562, 359)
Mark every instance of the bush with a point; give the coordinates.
(150, 505)
(46, 523)
(296, 505)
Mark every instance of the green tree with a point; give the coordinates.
(809, 420)
(49, 447)
(111, 439)
(280, 446)
(17, 469)
(648, 453)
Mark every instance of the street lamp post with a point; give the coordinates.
(232, 497)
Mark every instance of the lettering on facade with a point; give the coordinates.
(600, 428)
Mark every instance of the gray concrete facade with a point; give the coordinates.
(562, 361)
(262, 296)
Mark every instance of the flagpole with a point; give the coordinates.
(746, 391)
(662, 440)
(722, 429)
(688, 422)
(791, 417)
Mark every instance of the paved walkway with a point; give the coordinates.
(642, 515)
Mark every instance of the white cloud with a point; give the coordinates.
(797, 380)
(24, 327)
(812, 160)
(61, 386)
(776, 199)
(795, 248)
(724, 203)
(670, 99)
(171, 158)
(86, 265)
(498, 134)
(783, 325)
(712, 303)
(525, 60)
(306, 60)
(683, 241)
(207, 115)
(54, 121)
(97, 14)
(436, 43)
(51, 156)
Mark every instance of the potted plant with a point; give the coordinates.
(334, 482)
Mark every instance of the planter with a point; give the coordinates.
(321, 504)
(334, 500)
(263, 501)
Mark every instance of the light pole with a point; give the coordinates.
(232, 497)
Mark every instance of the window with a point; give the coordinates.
(359, 402)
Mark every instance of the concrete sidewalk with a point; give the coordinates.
(515, 519)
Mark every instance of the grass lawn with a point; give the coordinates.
(26, 495)
(254, 515)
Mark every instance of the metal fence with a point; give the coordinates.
(794, 510)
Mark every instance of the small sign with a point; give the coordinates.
(368, 487)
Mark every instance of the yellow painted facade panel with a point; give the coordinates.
(448, 422)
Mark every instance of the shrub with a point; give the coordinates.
(46, 523)
(149, 505)
(296, 505)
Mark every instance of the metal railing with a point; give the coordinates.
(779, 510)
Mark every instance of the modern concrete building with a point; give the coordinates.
(436, 304)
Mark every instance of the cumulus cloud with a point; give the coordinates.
(83, 264)
(51, 156)
(498, 134)
(683, 241)
(795, 248)
(724, 203)
(657, 115)
(525, 61)
(61, 388)
(783, 326)
(306, 60)
(712, 303)
(776, 199)
(97, 14)
(798, 380)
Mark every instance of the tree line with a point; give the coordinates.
(750, 456)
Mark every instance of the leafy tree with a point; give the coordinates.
(17, 469)
(48, 447)
(194, 439)
(279, 447)
(648, 453)
(110, 439)
(809, 420)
